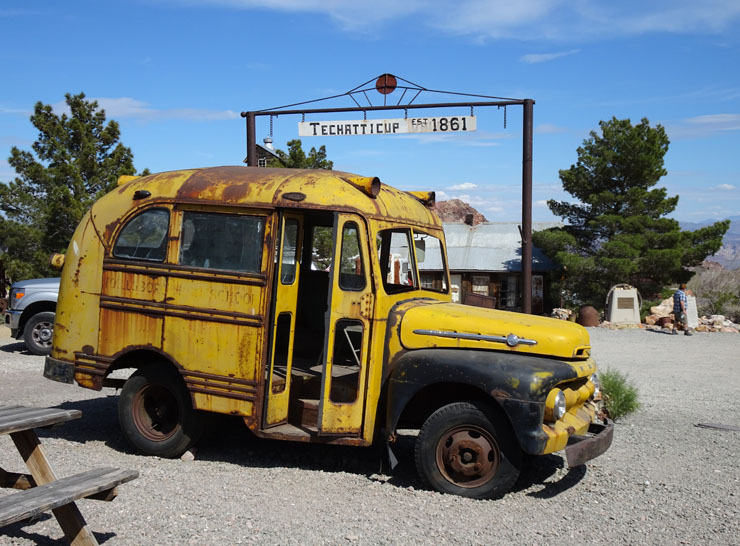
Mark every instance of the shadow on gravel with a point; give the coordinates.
(228, 440)
(663, 332)
(18, 531)
(17, 347)
(538, 470)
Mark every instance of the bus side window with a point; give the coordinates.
(144, 237)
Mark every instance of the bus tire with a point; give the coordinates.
(156, 414)
(464, 449)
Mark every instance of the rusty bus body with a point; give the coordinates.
(299, 301)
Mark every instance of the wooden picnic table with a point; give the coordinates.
(41, 491)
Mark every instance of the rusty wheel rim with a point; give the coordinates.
(42, 333)
(468, 456)
(156, 413)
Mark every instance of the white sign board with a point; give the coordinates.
(443, 124)
(692, 315)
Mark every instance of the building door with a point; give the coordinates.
(347, 327)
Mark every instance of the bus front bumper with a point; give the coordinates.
(582, 448)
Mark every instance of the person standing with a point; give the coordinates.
(679, 311)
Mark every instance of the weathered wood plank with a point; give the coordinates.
(7, 409)
(14, 419)
(32, 502)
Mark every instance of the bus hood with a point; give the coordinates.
(427, 323)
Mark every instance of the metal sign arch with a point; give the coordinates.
(387, 84)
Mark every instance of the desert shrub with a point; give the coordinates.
(619, 394)
(717, 292)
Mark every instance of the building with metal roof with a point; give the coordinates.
(485, 264)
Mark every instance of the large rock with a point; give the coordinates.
(588, 316)
(664, 309)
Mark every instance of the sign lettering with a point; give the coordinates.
(443, 124)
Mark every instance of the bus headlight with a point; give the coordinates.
(555, 407)
(597, 385)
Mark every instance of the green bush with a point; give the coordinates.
(619, 394)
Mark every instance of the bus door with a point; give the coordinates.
(347, 327)
(285, 301)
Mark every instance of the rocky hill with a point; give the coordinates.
(455, 210)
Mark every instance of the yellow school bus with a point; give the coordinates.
(316, 306)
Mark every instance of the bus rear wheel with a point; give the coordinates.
(156, 413)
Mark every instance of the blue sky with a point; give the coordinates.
(176, 73)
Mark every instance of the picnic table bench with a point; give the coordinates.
(41, 491)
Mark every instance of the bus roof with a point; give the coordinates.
(271, 188)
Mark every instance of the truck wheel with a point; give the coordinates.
(38, 333)
(156, 413)
(464, 449)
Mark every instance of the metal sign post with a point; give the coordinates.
(387, 84)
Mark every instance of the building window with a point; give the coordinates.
(479, 284)
(262, 162)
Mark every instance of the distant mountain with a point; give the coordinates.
(729, 255)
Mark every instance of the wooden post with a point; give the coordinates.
(251, 140)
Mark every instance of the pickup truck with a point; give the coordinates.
(31, 311)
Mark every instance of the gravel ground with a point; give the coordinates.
(664, 480)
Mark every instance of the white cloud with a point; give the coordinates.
(4, 110)
(703, 126)
(549, 129)
(354, 15)
(534, 58)
(525, 19)
(472, 200)
(725, 187)
(441, 196)
(722, 122)
(540, 203)
(125, 107)
(463, 186)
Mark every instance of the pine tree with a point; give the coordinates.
(296, 158)
(76, 158)
(618, 231)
